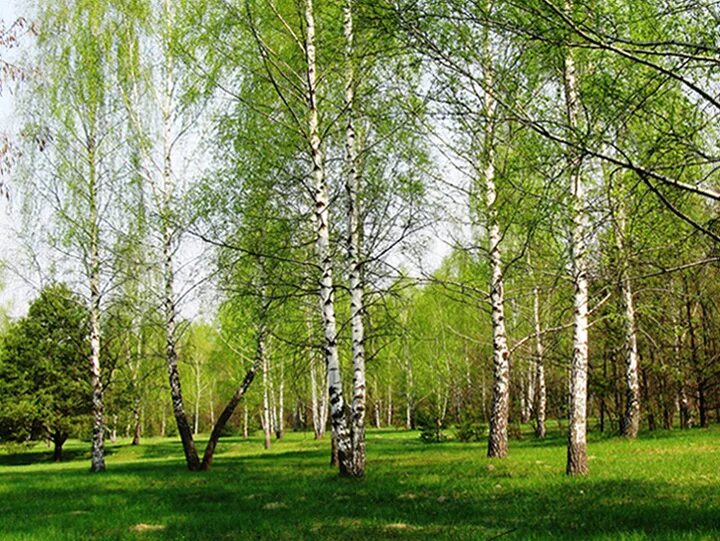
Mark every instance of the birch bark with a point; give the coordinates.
(498, 436)
(322, 246)
(168, 113)
(577, 428)
(631, 417)
(354, 249)
(97, 461)
(540, 390)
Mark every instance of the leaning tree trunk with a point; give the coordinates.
(97, 460)
(230, 409)
(322, 245)
(498, 436)
(354, 249)
(577, 428)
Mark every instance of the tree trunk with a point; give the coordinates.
(500, 409)
(136, 423)
(280, 423)
(389, 407)
(540, 389)
(246, 422)
(266, 415)
(59, 439)
(354, 250)
(113, 432)
(198, 393)
(631, 417)
(97, 461)
(318, 427)
(377, 406)
(577, 428)
(230, 408)
(409, 400)
(321, 215)
(188, 443)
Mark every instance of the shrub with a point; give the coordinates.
(470, 428)
(430, 426)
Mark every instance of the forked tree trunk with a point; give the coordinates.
(339, 416)
(577, 427)
(354, 250)
(228, 411)
(59, 439)
(498, 436)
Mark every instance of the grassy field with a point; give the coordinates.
(666, 485)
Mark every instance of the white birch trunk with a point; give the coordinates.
(212, 406)
(377, 405)
(540, 393)
(631, 418)
(354, 249)
(168, 113)
(409, 399)
(266, 415)
(246, 421)
(280, 420)
(198, 392)
(498, 436)
(577, 431)
(321, 200)
(97, 461)
(389, 406)
(315, 406)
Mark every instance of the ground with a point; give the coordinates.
(666, 485)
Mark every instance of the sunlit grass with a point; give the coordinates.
(666, 485)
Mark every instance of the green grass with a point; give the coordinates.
(666, 485)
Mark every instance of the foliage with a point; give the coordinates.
(43, 364)
(471, 428)
(430, 426)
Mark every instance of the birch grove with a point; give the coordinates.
(499, 217)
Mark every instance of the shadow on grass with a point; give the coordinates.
(293, 494)
(29, 457)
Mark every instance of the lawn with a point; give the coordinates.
(666, 485)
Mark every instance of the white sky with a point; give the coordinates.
(15, 292)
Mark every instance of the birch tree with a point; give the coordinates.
(577, 427)
(74, 113)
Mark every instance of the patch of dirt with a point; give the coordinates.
(147, 527)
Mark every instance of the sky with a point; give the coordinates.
(15, 291)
